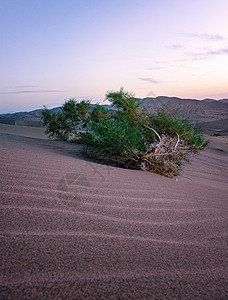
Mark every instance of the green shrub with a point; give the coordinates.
(64, 125)
(166, 123)
(158, 143)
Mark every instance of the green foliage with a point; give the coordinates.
(125, 133)
(76, 112)
(64, 125)
(113, 137)
(98, 114)
(56, 125)
(126, 105)
(166, 123)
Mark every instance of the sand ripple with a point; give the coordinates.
(73, 229)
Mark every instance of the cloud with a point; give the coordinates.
(31, 92)
(175, 46)
(155, 68)
(150, 80)
(24, 86)
(206, 37)
(208, 54)
(218, 52)
(161, 62)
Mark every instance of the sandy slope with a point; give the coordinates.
(73, 229)
(35, 132)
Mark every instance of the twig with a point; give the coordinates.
(178, 139)
(154, 132)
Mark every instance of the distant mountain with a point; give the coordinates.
(224, 100)
(209, 100)
(211, 114)
(31, 118)
(195, 110)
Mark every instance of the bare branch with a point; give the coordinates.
(163, 154)
(147, 161)
(154, 132)
(178, 139)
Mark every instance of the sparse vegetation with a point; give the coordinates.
(126, 134)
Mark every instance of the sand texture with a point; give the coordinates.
(75, 229)
(34, 132)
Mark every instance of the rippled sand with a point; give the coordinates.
(74, 229)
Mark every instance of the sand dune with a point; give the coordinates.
(74, 229)
(36, 132)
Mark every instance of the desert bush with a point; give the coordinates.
(64, 125)
(167, 123)
(126, 134)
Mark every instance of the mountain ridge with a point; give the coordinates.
(210, 114)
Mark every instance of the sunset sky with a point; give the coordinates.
(52, 50)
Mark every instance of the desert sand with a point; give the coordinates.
(76, 229)
(34, 132)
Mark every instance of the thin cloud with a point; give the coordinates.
(24, 86)
(222, 51)
(31, 92)
(161, 62)
(206, 37)
(157, 65)
(208, 54)
(150, 80)
(175, 46)
(155, 68)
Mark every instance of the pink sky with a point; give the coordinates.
(54, 50)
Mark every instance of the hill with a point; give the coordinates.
(31, 118)
(210, 114)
